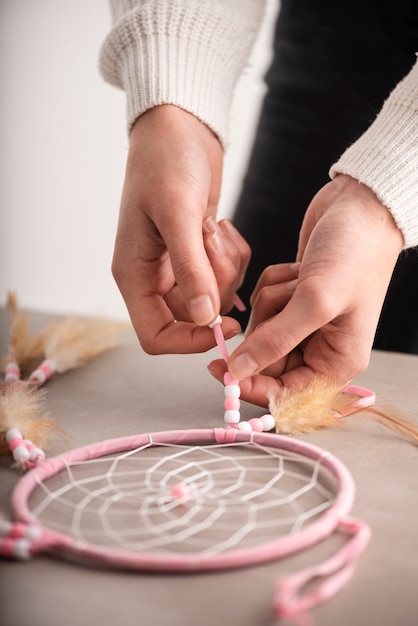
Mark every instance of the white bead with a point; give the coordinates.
(12, 433)
(33, 533)
(245, 427)
(20, 453)
(232, 391)
(218, 320)
(268, 422)
(21, 549)
(232, 416)
(35, 454)
(38, 377)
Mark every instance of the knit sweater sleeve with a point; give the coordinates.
(385, 157)
(189, 53)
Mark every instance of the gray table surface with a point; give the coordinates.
(125, 392)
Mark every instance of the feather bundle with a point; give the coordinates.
(23, 346)
(22, 406)
(306, 409)
(323, 403)
(70, 343)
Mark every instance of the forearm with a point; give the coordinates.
(189, 53)
(385, 157)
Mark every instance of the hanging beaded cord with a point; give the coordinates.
(232, 391)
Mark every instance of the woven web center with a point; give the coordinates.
(174, 498)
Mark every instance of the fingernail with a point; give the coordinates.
(217, 243)
(214, 373)
(201, 309)
(210, 225)
(291, 285)
(229, 227)
(243, 366)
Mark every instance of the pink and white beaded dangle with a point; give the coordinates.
(232, 391)
(18, 538)
(25, 453)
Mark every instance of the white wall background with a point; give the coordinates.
(63, 147)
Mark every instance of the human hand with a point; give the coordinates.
(319, 318)
(175, 266)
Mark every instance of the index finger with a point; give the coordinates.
(304, 314)
(159, 333)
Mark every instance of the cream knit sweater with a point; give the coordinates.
(191, 52)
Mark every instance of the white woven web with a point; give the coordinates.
(239, 495)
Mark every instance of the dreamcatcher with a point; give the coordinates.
(196, 500)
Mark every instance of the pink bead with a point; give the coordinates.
(232, 404)
(256, 424)
(15, 443)
(181, 491)
(12, 373)
(18, 530)
(230, 380)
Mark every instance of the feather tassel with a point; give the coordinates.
(322, 405)
(22, 407)
(304, 410)
(73, 342)
(23, 346)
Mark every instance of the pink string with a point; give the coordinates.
(220, 340)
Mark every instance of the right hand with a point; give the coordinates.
(167, 259)
(319, 318)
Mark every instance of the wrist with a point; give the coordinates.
(376, 213)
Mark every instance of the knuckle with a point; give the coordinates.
(246, 252)
(116, 269)
(149, 347)
(321, 303)
(264, 299)
(273, 344)
(187, 269)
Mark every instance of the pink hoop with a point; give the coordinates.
(276, 549)
(290, 601)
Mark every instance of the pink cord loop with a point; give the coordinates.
(365, 398)
(336, 572)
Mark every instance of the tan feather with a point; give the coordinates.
(321, 405)
(22, 406)
(23, 346)
(72, 342)
(388, 417)
(306, 409)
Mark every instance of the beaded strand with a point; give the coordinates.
(232, 392)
